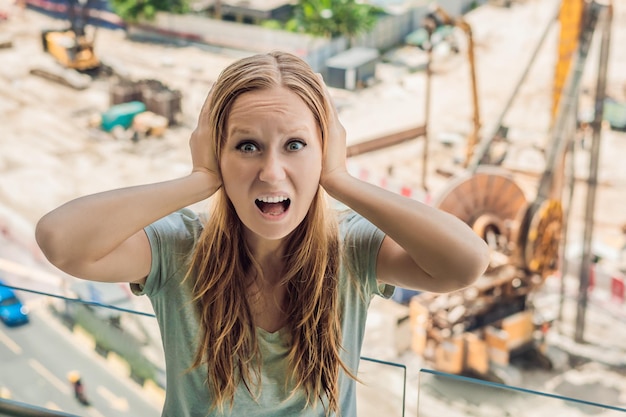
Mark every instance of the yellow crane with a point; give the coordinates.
(72, 47)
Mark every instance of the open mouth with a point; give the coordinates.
(274, 206)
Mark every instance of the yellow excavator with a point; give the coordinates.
(72, 47)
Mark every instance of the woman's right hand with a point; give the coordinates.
(203, 157)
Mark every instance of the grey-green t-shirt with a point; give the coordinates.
(172, 240)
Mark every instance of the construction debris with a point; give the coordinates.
(64, 76)
(6, 41)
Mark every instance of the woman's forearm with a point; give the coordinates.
(90, 227)
(440, 244)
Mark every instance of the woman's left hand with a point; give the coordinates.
(334, 163)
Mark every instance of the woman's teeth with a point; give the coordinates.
(272, 199)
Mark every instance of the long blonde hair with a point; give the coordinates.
(223, 268)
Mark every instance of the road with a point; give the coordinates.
(36, 358)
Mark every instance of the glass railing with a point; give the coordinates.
(10, 408)
(113, 343)
(442, 394)
(116, 350)
(382, 391)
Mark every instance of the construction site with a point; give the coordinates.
(498, 125)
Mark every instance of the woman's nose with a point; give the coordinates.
(272, 169)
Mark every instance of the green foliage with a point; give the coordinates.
(292, 25)
(272, 24)
(334, 17)
(133, 10)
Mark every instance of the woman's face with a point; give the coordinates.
(271, 162)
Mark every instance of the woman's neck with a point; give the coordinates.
(269, 255)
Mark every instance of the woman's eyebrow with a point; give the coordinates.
(239, 130)
(291, 130)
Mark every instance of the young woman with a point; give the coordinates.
(262, 301)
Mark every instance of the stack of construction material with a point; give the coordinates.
(158, 98)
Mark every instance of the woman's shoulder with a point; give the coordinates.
(182, 222)
(172, 239)
(352, 225)
(177, 232)
(346, 217)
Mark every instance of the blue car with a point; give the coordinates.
(12, 311)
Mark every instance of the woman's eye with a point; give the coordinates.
(247, 147)
(295, 145)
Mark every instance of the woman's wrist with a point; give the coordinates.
(204, 183)
(334, 181)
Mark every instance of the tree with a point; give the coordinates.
(133, 10)
(334, 18)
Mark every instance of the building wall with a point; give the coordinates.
(390, 31)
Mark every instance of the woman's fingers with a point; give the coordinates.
(335, 157)
(201, 142)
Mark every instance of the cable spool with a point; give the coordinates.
(489, 201)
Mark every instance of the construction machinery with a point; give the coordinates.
(439, 18)
(478, 330)
(72, 47)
